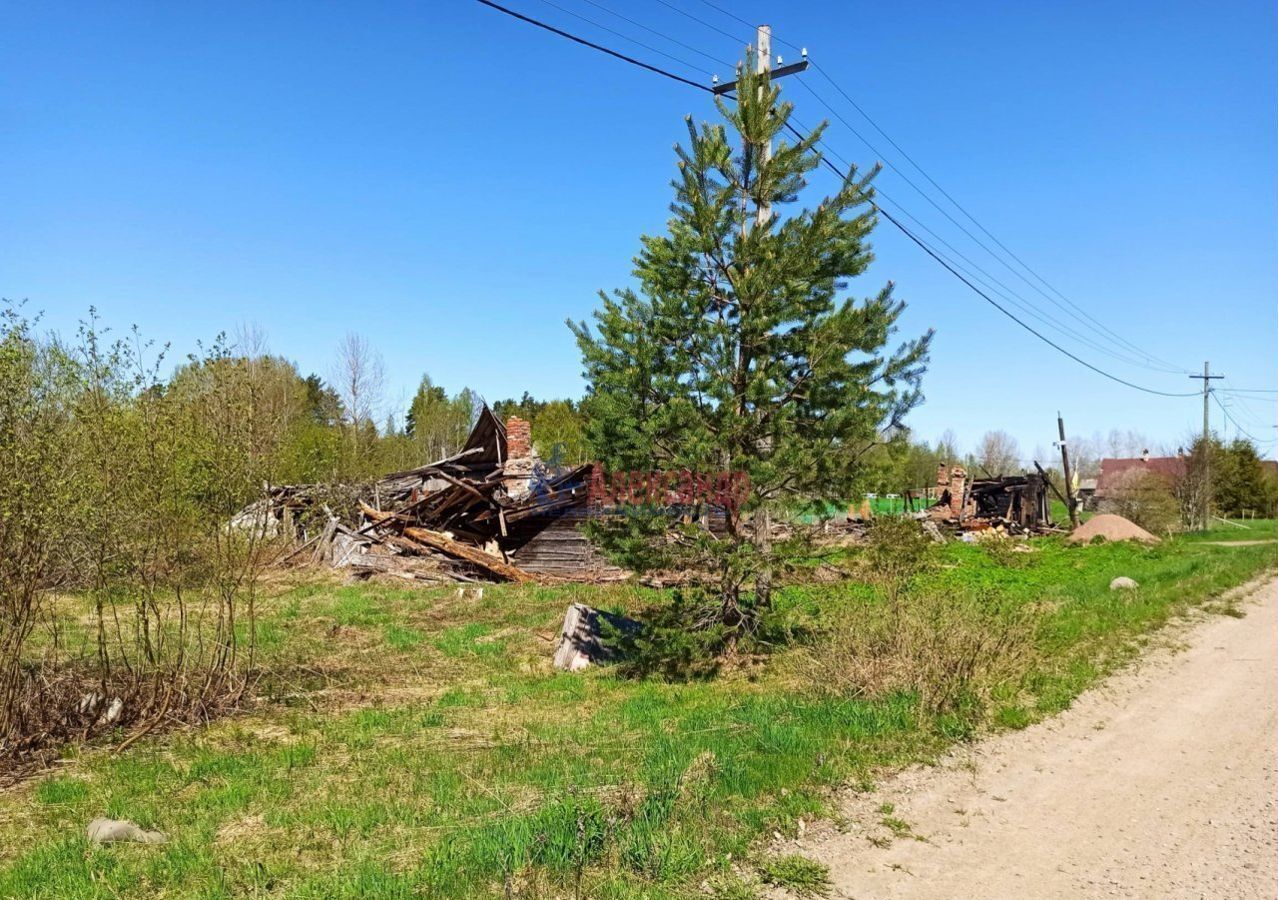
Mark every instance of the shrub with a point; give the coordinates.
(679, 642)
(1146, 499)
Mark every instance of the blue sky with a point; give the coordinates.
(454, 184)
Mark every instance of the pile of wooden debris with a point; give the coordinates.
(491, 512)
(1013, 504)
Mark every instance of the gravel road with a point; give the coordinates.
(1162, 782)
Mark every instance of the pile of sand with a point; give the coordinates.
(1111, 528)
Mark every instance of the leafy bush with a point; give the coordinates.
(1009, 552)
(1146, 499)
(898, 550)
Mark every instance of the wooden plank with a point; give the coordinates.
(456, 549)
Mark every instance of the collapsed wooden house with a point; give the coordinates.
(496, 494)
(491, 511)
(1017, 504)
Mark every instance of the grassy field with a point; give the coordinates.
(417, 743)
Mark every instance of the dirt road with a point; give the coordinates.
(1161, 783)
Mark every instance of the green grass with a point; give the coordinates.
(798, 874)
(1238, 530)
(413, 743)
(1060, 512)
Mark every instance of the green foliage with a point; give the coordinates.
(679, 641)
(897, 550)
(1145, 498)
(1240, 482)
(695, 369)
(738, 351)
(130, 487)
(527, 407)
(37, 493)
(558, 427)
(437, 424)
(803, 876)
(900, 463)
(731, 886)
(558, 433)
(950, 649)
(1009, 552)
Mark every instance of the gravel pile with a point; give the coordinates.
(1111, 528)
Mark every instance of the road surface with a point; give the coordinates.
(1163, 782)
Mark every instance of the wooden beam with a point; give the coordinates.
(444, 544)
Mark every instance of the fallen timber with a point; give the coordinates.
(490, 512)
(434, 540)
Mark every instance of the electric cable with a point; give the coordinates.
(844, 177)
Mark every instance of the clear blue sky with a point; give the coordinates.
(453, 184)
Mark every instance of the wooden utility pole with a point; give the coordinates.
(763, 212)
(1070, 500)
(763, 63)
(1205, 511)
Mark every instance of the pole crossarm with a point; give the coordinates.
(791, 69)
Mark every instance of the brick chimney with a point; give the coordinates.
(518, 438)
(958, 484)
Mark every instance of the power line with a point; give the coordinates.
(626, 37)
(1098, 326)
(661, 34)
(1224, 409)
(989, 281)
(844, 177)
(930, 252)
(1124, 346)
(1238, 406)
(733, 15)
(1118, 342)
(593, 46)
(1078, 309)
(712, 27)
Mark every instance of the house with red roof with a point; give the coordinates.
(1116, 473)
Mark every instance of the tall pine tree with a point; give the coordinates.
(741, 350)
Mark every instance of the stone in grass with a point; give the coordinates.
(1123, 583)
(110, 831)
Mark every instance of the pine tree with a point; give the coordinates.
(1239, 478)
(740, 350)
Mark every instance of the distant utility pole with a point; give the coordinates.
(1207, 378)
(1070, 499)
